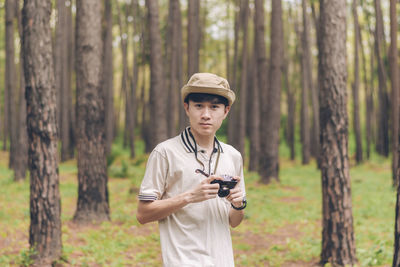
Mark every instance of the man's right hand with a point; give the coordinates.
(205, 190)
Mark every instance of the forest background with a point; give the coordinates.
(269, 51)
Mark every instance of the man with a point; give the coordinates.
(179, 190)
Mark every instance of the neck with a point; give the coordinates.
(206, 142)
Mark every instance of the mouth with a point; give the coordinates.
(205, 124)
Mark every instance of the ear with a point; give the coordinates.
(186, 107)
(227, 109)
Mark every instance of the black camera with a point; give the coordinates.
(225, 185)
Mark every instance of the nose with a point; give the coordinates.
(206, 113)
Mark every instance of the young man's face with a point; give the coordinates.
(205, 117)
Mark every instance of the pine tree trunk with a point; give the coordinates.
(63, 79)
(174, 50)
(382, 142)
(10, 78)
(269, 160)
(338, 245)
(254, 114)
(241, 105)
(368, 96)
(93, 203)
(231, 123)
(108, 77)
(45, 204)
(305, 86)
(21, 154)
(262, 70)
(157, 90)
(193, 37)
(356, 85)
(394, 76)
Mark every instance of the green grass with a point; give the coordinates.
(282, 223)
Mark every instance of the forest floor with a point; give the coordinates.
(282, 226)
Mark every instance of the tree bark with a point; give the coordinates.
(262, 70)
(108, 76)
(157, 92)
(355, 87)
(306, 88)
(382, 142)
(10, 78)
(338, 245)
(394, 77)
(63, 79)
(269, 160)
(193, 37)
(93, 204)
(21, 153)
(232, 120)
(175, 48)
(241, 105)
(254, 112)
(45, 204)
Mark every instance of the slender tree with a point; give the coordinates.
(93, 204)
(108, 76)
(261, 61)
(157, 91)
(338, 245)
(382, 142)
(45, 204)
(394, 77)
(21, 151)
(63, 77)
(241, 107)
(356, 85)
(174, 48)
(10, 81)
(306, 88)
(269, 159)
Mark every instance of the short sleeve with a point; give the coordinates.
(153, 184)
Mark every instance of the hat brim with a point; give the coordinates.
(228, 94)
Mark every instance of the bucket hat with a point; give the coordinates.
(208, 83)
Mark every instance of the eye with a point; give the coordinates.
(198, 105)
(214, 106)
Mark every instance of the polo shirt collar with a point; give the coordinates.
(189, 143)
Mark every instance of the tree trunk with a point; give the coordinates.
(394, 76)
(10, 78)
(382, 144)
(45, 204)
(93, 205)
(254, 112)
(63, 79)
(269, 160)
(175, 45)
(355, 87)
(291, 109)
(193, 37)
(338, 245)
(231, 127)
(261, 69)
(306, 86)
(157, 92)
(241, 105)
(21, 153)
(368, 96)
(108, 76)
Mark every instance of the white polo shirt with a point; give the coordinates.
(199, 233)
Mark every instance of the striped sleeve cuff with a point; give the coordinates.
(147, 197)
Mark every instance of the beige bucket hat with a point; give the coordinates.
(208, 83)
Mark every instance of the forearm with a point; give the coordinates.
(235, 217)
(149, 211)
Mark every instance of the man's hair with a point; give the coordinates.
(202, 97)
